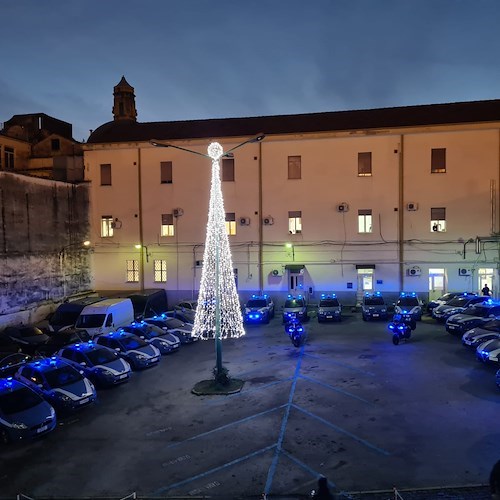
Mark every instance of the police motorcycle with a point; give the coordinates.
(401, 327)
(295, 330)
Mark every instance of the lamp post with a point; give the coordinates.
(218, 312)
(290, 247)
(62, 255)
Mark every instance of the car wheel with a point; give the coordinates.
(266, 319)
(395, 339)
(365, 318)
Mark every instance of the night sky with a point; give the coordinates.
(196, 59)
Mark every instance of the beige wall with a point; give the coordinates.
(330, 246)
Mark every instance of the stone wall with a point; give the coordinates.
(42, 226)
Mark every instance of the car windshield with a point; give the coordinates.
(64, 317)
(374, 301)
(482, 312)
(61, 376)
(18, 400)
(294, 303)
(458, 302)
(101, 356)
(30, 331)
(90, 321)
(492, 326)
(329, 303)
(132, 343)
(174, 323)
(408, 301)
(257, 303)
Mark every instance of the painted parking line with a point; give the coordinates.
(343, 431)
(344, 365)
(284, 422)
(313, 472)
(227, 426)
(336, 389)
(214, 470)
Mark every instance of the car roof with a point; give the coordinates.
(84, 346)
(10, 384)
(47, 364)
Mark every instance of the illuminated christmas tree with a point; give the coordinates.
(218, 314)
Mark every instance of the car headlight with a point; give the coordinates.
(62, 397)
(139, 357)
(104, 372)
(383, 310)
(19, 425)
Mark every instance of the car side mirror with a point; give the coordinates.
(117, 349)
(83, 363)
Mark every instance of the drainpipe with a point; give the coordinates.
(261, 246)
(141, 234)
(401, 213)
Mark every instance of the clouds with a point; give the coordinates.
(191, 59)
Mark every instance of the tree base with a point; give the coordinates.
(213, 388)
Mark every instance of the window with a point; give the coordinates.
(107, 226)
(438, 220)
(294, 167)
(365, 221)
(438, 161)
(55, 144)
(364, 164)
(166, 172)
(167, 225)
(9, 158)
(106, 174)
(231, 223)
(295, 222)
(228, 169)
(132, 271)
(160, 267)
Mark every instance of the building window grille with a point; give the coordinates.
(160, 271)
(132, 271)
(295, 222)
(166, 172)
(107, 226)
(106, 174)
(167, 225)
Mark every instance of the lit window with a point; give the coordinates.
(167, 225)
(295, 222)
(364, 221)
(364, 164)
(228, 169)
(107, 226)
(9, 158)
(132, 271)
(438, 220)
(160, 267)
(231, 223)
(106, 174)
(294, 167)
(166, 172)
(438, 161)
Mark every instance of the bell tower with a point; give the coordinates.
(124, 101)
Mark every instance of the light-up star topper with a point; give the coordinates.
(218, 314)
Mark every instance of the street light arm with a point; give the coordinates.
(257, 138)
(167, 145)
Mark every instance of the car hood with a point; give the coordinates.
(148, 350)
(32, 416)
(117, 366)
(460, 318)
(77, 389)
(490, 345)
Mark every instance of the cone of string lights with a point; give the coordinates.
(218, 313)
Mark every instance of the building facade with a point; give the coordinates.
(395, 199)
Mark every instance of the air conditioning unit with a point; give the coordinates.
(275, 272)
(343, 207)
(244, 221)
(411, 206)
(464, 272)
(116, 224)
(178, 212)
(414, 271)
(268, 221)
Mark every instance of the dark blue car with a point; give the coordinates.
(24, 414)
(103, 366)
(165, 342)
(59, 383)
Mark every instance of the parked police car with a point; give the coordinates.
(258, 309)
(480, 334)
(373, 306)
(489, 351)
(295, 307)
(455, 306)
(409, 303)
(329, 308)
(473, 315)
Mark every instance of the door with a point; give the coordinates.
(436, 283)
(486, 276)
(295, 283)
(365, 284)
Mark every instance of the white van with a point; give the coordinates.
(106, 316)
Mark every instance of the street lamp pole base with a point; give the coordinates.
(214, 388)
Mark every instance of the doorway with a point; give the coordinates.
(486, 276)
(436, 283)
(365, 284)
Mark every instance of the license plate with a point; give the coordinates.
(83, 401)
(451, 327)
(43, 428)
(123, 376)
(154, 360)
(375, 315)
(329, 317)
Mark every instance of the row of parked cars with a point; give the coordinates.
(51, 372)
(474, 318)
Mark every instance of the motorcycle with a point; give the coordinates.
(295, 331)
(401, 327)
